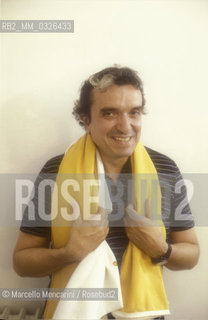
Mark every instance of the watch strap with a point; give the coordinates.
(163, 259)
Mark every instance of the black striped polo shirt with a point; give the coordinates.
(169, 177)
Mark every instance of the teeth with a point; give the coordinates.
(122, 139)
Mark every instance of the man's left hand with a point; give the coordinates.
(144, 232)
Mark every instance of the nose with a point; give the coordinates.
(123, 124)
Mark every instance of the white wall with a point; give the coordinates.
(166, 41)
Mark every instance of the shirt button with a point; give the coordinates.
(115, 263)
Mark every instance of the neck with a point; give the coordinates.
(113, 167)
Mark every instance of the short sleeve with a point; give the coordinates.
(176, 212)
(37, 215)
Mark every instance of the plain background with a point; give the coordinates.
(166, 41)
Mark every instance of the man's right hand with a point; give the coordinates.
(85, 236)
(33, 258)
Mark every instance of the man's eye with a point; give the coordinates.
(135, 112)
(107, 114)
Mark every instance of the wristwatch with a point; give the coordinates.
(163, 259)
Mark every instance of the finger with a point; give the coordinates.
(127, 221)
(132, 214)
(100, 210)
(147, 207)
(132, 218)
(129, 217)
(130, 211)
(78, 221)
(103, 216)
(98, 219)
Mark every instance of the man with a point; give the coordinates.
(110, 109)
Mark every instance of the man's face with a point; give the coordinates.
(115, 124)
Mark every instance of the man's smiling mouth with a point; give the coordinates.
(124, 139)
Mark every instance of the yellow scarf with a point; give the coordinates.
(142, 285)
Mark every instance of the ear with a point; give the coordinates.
(86, 121)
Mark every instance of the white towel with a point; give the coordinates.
(97, 270)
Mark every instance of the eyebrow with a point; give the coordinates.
(103, 109)
(107, 109)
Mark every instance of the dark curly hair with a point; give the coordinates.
(101, 81)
